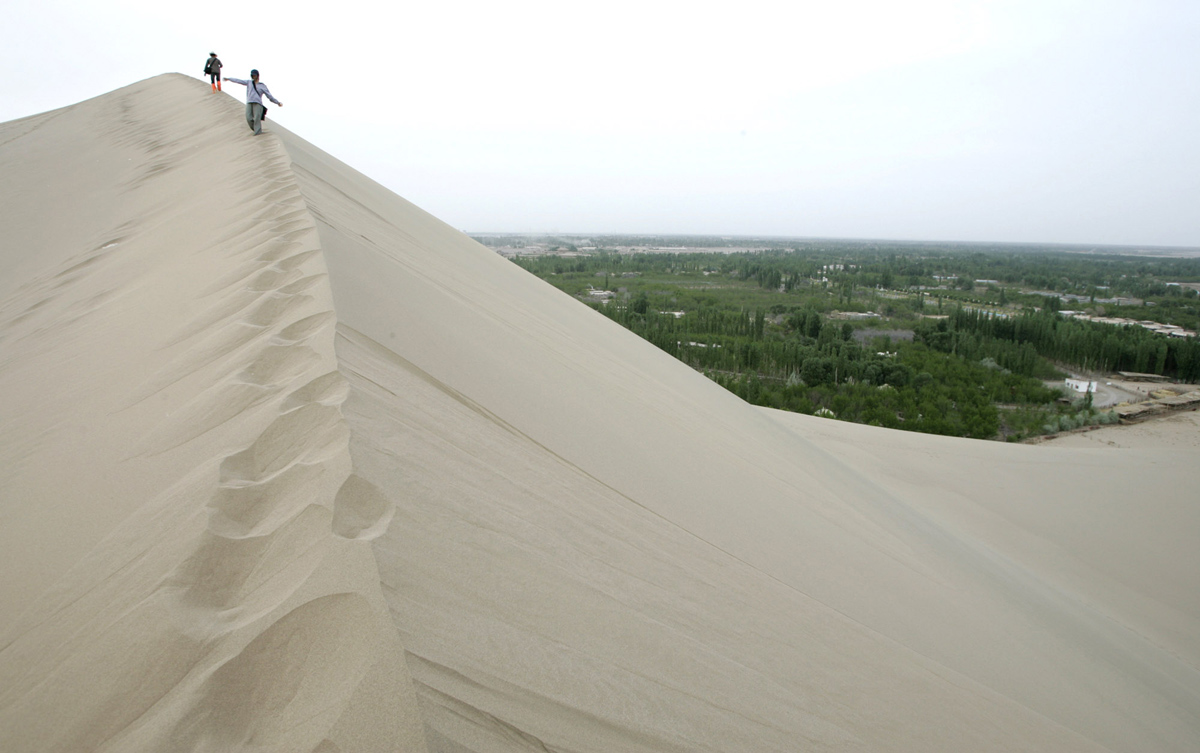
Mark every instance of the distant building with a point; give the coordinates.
(1134, 376)
(1081, 386)
(1171, 330)
(852, 315)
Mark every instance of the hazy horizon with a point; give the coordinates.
(1059, 123)
(815, 238)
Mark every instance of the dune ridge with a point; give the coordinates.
(294, 466)
(240, 607)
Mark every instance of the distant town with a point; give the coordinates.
(996, 341)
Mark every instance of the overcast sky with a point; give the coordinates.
(1046, 121)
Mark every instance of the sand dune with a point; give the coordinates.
(291, 465)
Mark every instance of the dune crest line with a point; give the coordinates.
(249, 614)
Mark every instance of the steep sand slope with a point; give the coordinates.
(261, 405)
(174, 461)
(572, 503)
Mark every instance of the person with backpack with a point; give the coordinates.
(255, 91)
(212, 69)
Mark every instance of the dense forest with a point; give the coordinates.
(1015, 340)
(945, 340)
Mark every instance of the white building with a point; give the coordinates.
(1082, 386)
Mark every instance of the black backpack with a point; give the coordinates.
(260, 102)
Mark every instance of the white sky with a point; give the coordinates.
(1052, 121)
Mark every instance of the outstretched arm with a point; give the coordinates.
(237, 81)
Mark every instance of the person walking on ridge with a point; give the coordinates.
(255, 91)
(212, 68)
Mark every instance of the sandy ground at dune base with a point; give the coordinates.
(1176, 431)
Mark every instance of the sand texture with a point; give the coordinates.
(290, 465)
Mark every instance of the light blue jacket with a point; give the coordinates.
(255, 92)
